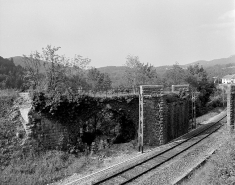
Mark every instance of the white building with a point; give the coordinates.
(228, 79)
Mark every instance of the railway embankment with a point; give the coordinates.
(180, 167)
(218, 168)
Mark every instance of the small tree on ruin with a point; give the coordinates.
(50, 71)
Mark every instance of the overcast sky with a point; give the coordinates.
(160, 32)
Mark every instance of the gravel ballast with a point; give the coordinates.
(172, 170)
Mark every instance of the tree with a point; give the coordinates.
(198, 79)
(196, 76)
(98, 81)
(105, 81)
(54, 71)
(34, 76)
(174, 76)
(92, 78)
(138, 73)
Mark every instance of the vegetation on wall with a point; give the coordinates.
(111, 117)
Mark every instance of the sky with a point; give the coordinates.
(159, 32)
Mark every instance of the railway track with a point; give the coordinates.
(131, 171)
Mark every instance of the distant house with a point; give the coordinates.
(228, 79)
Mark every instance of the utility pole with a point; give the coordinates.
(194, 110)
(223, 94)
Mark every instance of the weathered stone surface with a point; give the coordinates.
(231, 107)
(165, 121)
(162, 122)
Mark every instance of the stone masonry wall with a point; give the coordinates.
(177, 119)
(152, 128)
(48, 132)
(231, 107)
(163, 121)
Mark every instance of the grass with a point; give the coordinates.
(44, 168)
(51, 166)
(219, 169)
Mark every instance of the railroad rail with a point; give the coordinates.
(133, 170)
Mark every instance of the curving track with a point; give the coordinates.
(133, 170)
